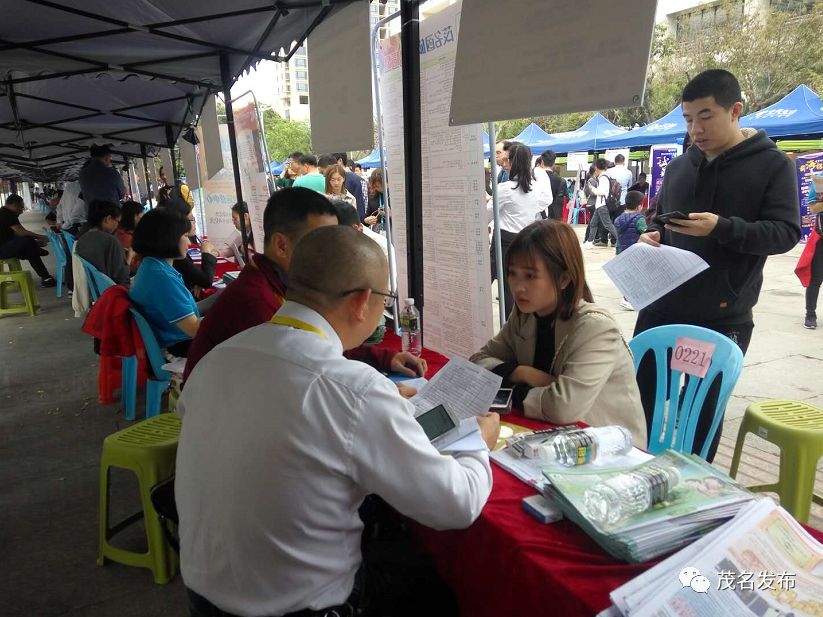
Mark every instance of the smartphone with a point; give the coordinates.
(439, 424)
(502, 402)
(670, 217)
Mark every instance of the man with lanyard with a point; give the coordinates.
(258, 292)
(283, 438)
(739, 193)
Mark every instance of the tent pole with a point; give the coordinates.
(146, 175)
(498, 246)
(170, 142)
(238, 188)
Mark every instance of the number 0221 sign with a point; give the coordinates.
(691, 356)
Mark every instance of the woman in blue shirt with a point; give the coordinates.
(157, 290)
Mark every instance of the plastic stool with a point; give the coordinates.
(798, 429)
(10, 264)
(147, 448)
(22, 280)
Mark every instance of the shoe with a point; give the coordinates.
(601, 245)
(587, 245)
(48, 282)
(626, 305)
(811, 321)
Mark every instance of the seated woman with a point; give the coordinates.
(195, 277)
(98, 245)
(234, 241)
(564, 355)
(158, 291)
(131, 213)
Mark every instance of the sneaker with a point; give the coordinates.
(601, 245)
(626, 304)
(811, 321)
(48, 282)
(587, 245)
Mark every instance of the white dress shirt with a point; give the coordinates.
(519, 209)
(282, 439)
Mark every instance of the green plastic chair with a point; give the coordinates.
(10, 264)
(798, 429)
(148, 449)
(14, 280)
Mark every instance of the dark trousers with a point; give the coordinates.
(813, 290)
(395, 578)
(25, 247)
(741, 334)
(506, 239)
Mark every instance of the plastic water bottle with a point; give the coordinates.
(410, 328)
(625, 495)
(588, 444)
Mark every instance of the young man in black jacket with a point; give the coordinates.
(740, 194)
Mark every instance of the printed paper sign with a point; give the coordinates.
(691, 356)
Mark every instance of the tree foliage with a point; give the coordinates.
(284, 136)
(770, 52)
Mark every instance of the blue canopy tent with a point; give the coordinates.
(800, 112)
(670, 129)
(535, 138)
(588, 137)
(276, 168)
(487, 151)
(371, 160)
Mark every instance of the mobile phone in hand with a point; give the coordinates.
(670, 218)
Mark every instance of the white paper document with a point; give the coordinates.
(645, 273)
(464, 388)
(470, 438)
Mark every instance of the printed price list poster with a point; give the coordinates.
(457, 281)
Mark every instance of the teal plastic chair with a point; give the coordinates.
(70, 240)
(158, 380)
(98, 282)
(60, 259)
(674, 427)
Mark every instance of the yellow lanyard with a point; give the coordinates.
(282, 320)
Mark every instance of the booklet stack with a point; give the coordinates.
(703, 499)
(761, 563)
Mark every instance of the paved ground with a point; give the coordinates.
(51, 430)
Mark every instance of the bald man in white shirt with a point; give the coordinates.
(283, 438)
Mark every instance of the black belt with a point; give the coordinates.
(203, 608)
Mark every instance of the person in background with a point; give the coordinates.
(502, 160)
(168, 191)
(99, 181)
(258, 292)
(310, 177)
(158, 290)
(130, 214)
(355, 185)
(564, 355)
(195, 277)
(740, 195)
(18, 242)
(375, 208)
(620, 173)
(601, 219)
(235, 241)
(71, 211)
(641, 184)
(358, 170)
(630, 225)
(546, 162)
(521, 199)
(290, 532)
(816, 279)
(336, 185)
(99, 247)
(286, 179)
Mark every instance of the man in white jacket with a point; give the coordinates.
(601, 216)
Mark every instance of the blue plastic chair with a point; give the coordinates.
(70, 240)
(576, 212)
(98, 282)
(60, 259)
(674, 427)
(158, 381)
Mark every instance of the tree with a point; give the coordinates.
(284, 136)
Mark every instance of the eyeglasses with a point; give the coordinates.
(388, 298)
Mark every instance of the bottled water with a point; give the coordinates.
(627, 494)
(410, 328)
(582, 446)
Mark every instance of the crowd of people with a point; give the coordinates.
(272, 513)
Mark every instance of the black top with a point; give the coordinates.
(201, 276)
(8, 219)
(544, 350)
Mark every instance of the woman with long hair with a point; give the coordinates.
(374, 209)
(564, 355)
(336, 185)
(521, 200)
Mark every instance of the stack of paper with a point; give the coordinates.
(704, 499)
(760, 563)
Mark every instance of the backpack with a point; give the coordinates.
(613, 198)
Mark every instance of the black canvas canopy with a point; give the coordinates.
(133, 74)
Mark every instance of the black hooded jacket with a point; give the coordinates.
(752, 187)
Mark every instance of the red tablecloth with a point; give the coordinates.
(507, 563)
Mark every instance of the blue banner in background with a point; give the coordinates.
(807, 165)
(660, 158)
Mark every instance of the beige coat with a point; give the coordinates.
(593, 367)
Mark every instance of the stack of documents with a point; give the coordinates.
(704, 499)
(761, 563)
